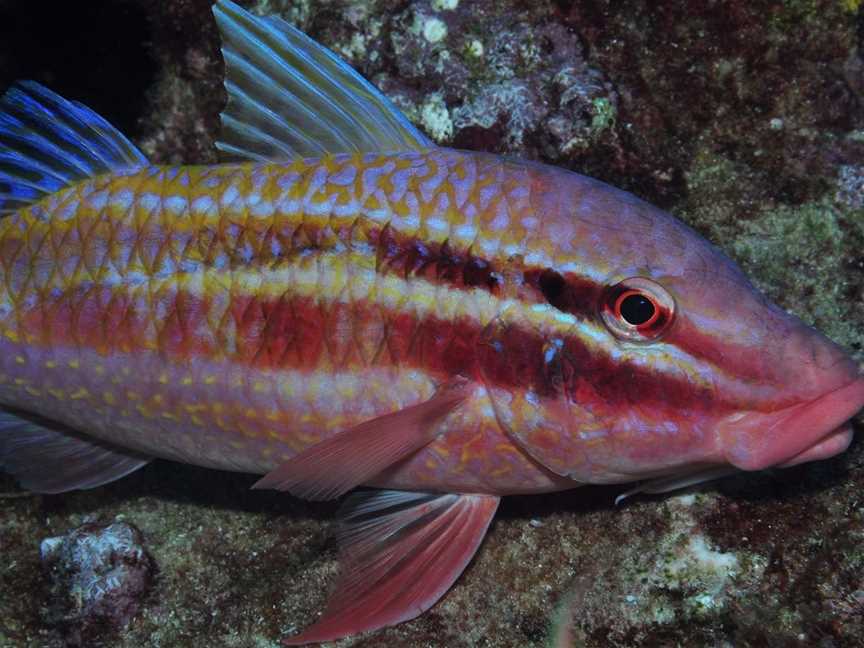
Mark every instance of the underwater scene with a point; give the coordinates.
(433, 323)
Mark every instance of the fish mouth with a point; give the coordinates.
(832, 444)
(809, 431)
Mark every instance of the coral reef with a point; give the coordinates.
(746, 119)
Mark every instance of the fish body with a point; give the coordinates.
(232, 316)
(349, 305)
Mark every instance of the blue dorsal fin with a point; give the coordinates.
(47, 143)
(290, 97)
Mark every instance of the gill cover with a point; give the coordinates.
(541, 417)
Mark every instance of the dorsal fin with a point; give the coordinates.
(290, 97)
(47, 143)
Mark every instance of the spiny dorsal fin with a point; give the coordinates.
(288, 96)
(47, 143)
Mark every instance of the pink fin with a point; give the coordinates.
(399, 553)
(49, 459)
(356, 455)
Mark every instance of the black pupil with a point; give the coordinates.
(636, 309)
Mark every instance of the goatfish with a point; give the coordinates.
(342, 303)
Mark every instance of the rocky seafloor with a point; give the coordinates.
(744, 118)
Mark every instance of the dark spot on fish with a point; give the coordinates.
(554, 288)
(477, 272)
(569, 294)
(436, 261)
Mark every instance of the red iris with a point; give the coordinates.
(638, 309)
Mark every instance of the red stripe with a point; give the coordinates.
(569, 294)
(298, 332)
(301, 333)
(748, 363)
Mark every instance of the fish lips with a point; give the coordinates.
(809, 431)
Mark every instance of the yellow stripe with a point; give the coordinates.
(338, 275)
(348, 277)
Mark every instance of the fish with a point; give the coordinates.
(347, 309)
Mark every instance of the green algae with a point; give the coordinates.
(216, 558)
(804, 257)
(799, 255)
(435, 118)
(603, 117)
(669, 576)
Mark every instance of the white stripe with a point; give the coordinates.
(344, 277)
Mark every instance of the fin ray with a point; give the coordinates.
(32, 170)
(399, 553)
(46, 458)
(356, 455)
(34, 145)
(47, 142)
(299, 93)
(308, 110)
(251, 116)
(678, 481)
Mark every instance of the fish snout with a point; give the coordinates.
(808, 431)
(819, 388)
(813, 365)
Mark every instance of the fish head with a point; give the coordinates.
(783, 393)
(657, 356)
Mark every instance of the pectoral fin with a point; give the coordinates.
(399, 553)
(46, 458)
(356, 455)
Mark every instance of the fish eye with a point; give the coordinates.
(637, 309)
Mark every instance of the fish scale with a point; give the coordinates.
(176, 261)
(343, 304)
(131, 292)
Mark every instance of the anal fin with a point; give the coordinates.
(399, 553)
(46, 458)
(356, 455)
